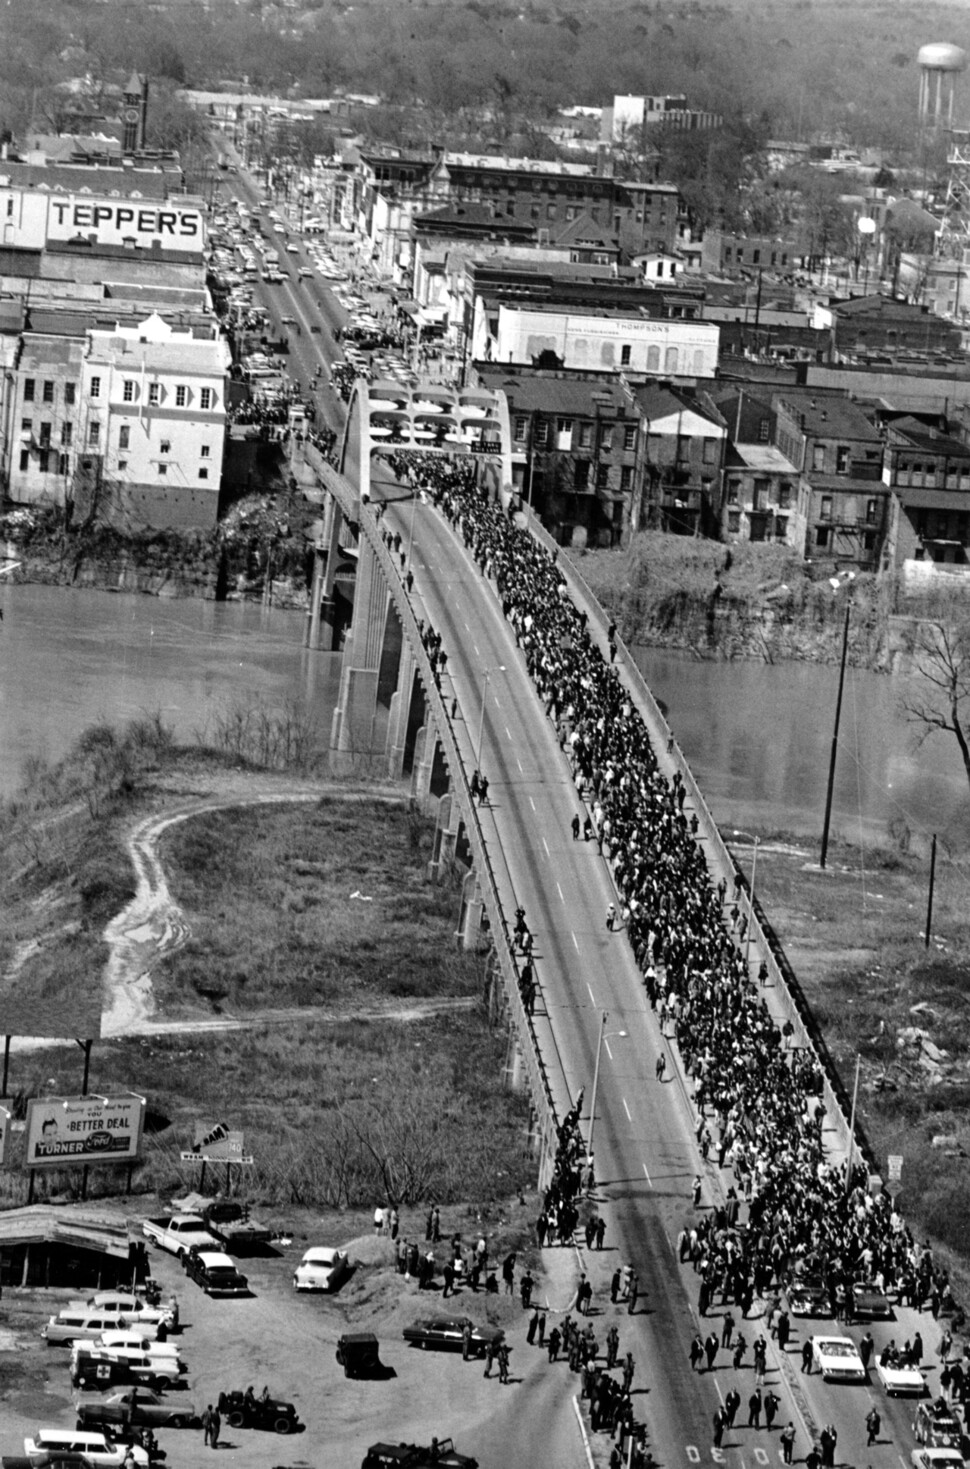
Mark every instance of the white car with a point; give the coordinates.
(112, 1302)
(937, 1459)
(134, 1341)
(899, 1380)
(837, 1358)
(97, 1448)
(321, 1269)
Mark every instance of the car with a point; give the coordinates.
(936, 1459)
(448, 1332)
(443, 1455)
(809, 1296)
(899, 1380)
(279, 229)
(216, 1273)
(243, 1410)
(134, 1341)
(315, 329)
(936, 1426)
(359, 1354)
(293, 248)
(139, 1407)
(288, 321)
(869, 1303)
(321, 1268)
(50, 1444)
(837, 1358)
(133, 1308)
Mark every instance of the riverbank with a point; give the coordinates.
(759, 602)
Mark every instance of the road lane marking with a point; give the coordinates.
(629, 1115)
(608, 1051)
(532, 803)
(508, 731)
(519, 764)
(647, 1175)
(559, 891)
(589, 987)
(546, 845)
(576, 942)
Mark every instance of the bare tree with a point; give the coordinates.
(941, 700)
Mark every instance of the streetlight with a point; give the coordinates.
(614, 1034)
(499, 668)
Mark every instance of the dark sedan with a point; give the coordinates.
(448, 1332)
(869, 1303)
(809, 1296)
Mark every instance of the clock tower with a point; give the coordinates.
(134, 112)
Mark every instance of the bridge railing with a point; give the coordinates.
(540, 1088)
(788, 994)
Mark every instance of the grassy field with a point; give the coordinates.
(337, 1111)
(855, 937)
(307, 906)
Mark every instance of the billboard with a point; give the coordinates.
(66, 1131)
(217, 1143)
(147, 224)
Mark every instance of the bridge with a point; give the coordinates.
(592, 1022)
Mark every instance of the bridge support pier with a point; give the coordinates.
(425, 747)
(320, 631)
(352, 731)
(397, 724)
(472, 921)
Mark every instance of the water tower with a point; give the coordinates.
(939, 65)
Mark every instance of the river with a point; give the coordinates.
(757, 736)
(70, 658)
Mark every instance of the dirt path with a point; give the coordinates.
(153, 924)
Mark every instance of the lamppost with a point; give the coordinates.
(614, 1034)
(499, 668)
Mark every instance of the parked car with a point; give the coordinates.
(135, 1341)
(133, 1308)
(82, 1322)
(837, 1358)
(869, 1303)
(358, 1353)
(321, 1268)
(138, 1406)
(54, 1443)
(809, 1296)
(937, 1459)
(935, 1425)
(448, 1332)
(417, 1456)
(216, 1273)
(243, 1410)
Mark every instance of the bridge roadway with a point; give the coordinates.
(645, 1150)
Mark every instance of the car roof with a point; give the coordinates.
(215, 1257)
(326, 1253)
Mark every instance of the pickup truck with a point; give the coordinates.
(177, 1233)
(232, 1226)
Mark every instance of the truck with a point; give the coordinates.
(232, 1226)
(440, 1454)
(177, 1233)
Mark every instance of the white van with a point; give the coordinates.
(80, 1323)
(97, 1448)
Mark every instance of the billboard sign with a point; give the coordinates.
(65, 1131)
(148, 225)
(217, 1143)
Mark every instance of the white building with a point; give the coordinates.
(153, 425)
(595, 340)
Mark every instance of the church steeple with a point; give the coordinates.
(134, 113)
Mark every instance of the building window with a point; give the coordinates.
(122, 465)
(871, 511)
(653, 359)
(842, 459)
(69, 394)
(541, 434)
(630, 436)
(205, 451)
(67, 433)
(670, 361)
(203, 474)
(734, 521)
(625, 355)
(165, 447)
(519, 426)
(63, 463)
(784, 495)
(128, 390)
(710, 451)
(27, 426)
(205, 398)
(585, 435)
(602, 476)
(626, 479)
(24, 459)
(181, 395)
(163, 469)
(48, 391)
(764, 430)
(606, 438)
(44, 461)
(818, 456)
(581, 476)
(45, 435)
(28, 390)
(733, 491)
(760, 500)
(781, 527)
(822, 537)
(154, 394)
(94, 434)
(95, 387)
(124, 435)
(825, 512)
